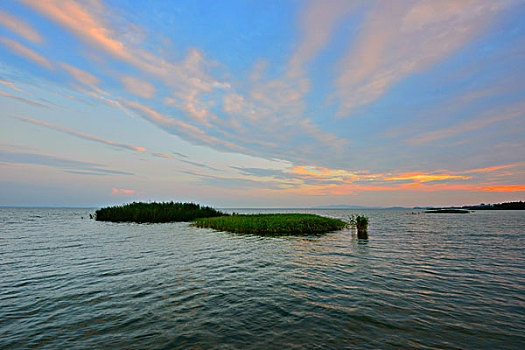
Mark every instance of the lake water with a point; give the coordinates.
(421, 281)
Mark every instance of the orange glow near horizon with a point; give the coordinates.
(422, 177)
(502, 188)
(344, 182)
(353, 189)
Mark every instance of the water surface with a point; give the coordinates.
(420, 281)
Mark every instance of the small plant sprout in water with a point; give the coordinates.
(361, 223)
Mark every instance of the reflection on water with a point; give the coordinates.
(419, 281)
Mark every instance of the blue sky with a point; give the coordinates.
(262, 103)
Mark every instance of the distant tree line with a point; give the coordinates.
(499, 206)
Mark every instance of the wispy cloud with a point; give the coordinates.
(80, 75)
(404, 37)
(317, 24)
(56, 162)
(493, 168)
(11, 85)
(187, 79)
(76, 17)
(25, 100)
(176, 156)
(422, 177)
(26, 52)
(480, 122)
(81, 134)
(318, 181)
(86, 21)
(178, 127)
(275, 108)
(138, 87)
(102, 96)
(20, 27)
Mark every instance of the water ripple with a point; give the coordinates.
(419, 281)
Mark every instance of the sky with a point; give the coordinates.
(248, 103)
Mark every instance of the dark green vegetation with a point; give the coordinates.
(500, 206)
(361, 223)
(273, 224)
(448, 211)
(155, 212)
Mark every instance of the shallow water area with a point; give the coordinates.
(419, 281)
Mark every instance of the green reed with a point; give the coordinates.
(273, 224)
(155, 212)
(361, 223)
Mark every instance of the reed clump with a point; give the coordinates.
(361, 223)
(155, 212)
(273, 224)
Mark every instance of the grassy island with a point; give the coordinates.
(155, 212)
(448, 211)
(273, 224)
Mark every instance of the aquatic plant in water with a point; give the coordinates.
(273, 224)
(155, 212)
(361, 223)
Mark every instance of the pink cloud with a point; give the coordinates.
(80, 75)
(11, 85)
(26, 52)
(317, 24)
(120, 191)
(404, 37)
(86, 21)
(274, 105)
(77, 18)
(20, 27)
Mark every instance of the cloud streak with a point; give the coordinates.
(26, 52)
(20, 27)
(57, 162)
(405, 37)
(25, 100)
(81, 134)
(86, 21)
(275, 108)
(11, 85)
(112, 143)
(283, 109)
(80, 75)
(138, 87)
(179, 127)
(495, 116)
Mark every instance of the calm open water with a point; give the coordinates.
(420, 281)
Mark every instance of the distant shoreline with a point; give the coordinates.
(519, 205)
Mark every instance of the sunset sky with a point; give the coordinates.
(262, 103)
